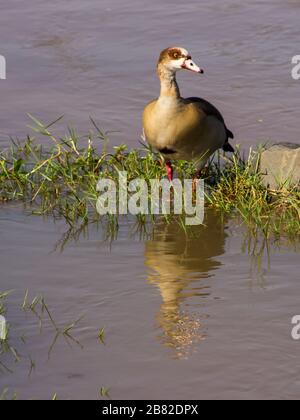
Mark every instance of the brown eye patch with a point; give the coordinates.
(175, 54)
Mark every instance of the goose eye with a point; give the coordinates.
(174, 54)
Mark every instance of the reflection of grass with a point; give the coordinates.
(61, 180)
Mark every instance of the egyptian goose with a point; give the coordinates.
(190, 129)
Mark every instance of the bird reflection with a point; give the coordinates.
(180, 264)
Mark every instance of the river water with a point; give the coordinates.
(206, 315)
(97, 58)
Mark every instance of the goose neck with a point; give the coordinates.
(168, 83)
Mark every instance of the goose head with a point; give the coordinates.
(174, 59)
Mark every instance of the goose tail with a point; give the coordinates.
(227, 146)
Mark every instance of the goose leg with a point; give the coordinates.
(194, 185)
(198, 175)
(169, 170)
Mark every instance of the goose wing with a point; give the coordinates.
(210, 109)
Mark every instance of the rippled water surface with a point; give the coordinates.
(97, 58)
(203, 315)
(206, 315)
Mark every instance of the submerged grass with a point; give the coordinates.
(14, 347)
(60, 178)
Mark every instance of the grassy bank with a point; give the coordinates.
(60, 178)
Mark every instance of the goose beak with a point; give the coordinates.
(190, 65)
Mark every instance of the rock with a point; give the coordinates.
(280, 166)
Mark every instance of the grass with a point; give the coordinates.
(11, 358)
(104, 392)
(39, 307)
(41, 311)
(5, 395)
(101, 336)
(59, 177)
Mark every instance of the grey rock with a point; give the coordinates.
(280, 166)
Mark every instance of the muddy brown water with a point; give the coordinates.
(200, 316)
(203, 316)
(98, 59)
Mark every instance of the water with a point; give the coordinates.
(204, 316)
(98, 59)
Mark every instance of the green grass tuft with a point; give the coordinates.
(60, 178)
